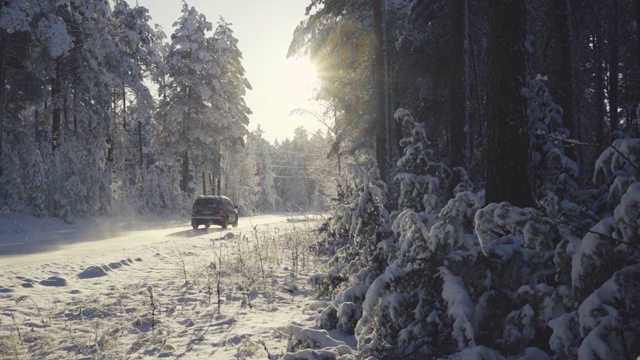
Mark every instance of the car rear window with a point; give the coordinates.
(207, 203)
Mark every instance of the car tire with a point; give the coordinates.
(206, 226)
(225, 223)
(235, 223)
(194, 226)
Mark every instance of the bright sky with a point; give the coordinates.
(264, 29)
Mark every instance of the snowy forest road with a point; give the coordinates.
(28, 241)
(154, 288)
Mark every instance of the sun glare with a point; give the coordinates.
(299, 78)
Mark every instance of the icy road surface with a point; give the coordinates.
(26, 240)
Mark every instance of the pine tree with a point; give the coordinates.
(266, 197)
(192, 96)
(233, 85)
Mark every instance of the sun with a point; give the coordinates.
(299, 78)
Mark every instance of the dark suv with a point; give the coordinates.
(213, 210)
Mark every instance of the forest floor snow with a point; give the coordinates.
(226, 294)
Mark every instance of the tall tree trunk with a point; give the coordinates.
(508, 147)
(56, 91)
(482, 126)
(637, 3)
(456, 87)
(613, 70)
(379, 93)
(204, 183)
(140, 145)
(110, 145)
(74, 111)
(599, 88)
(467, 51)
(124, 108)
(563, 64)
(185, 171)
(3, 49)
(36, 123)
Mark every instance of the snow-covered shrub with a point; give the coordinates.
(459, 307)
(520, 296)
(555, 171)
(312, 344)
(410, 308)
(610, 317)
(422, 180)
(454, 231)
(495, 221)
(603, 318)
(356, 233)
(321, 285)
(605, 325)
(405, 311)
(36, 184)
(414, 306)
(357, 228)
(328, 319)
(618, 166)
(348, 315)
(627, 217)
(594, 253)
(365, 218)
(533, 308)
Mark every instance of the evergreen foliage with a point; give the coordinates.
(492, 279)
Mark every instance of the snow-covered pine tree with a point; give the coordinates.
(233, 113)
(358, 233)
(418, 307)
(240, 182)
(233, 86)
(555, 173)
(191, 94)
(423, 181)
(132, 56)
(266, 196)
(602, 320)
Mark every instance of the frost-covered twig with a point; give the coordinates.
(24, 297)
(625, 157)
(15, 324)
(559, 220)
(182, 263)
(153, 308)
(570, 142)
(573, 142)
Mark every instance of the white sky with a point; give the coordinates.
(264, 29)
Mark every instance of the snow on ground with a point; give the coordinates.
(166, 291)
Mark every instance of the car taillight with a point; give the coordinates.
(193, 212)
(221, 212)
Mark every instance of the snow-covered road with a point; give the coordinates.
(25, 240)
(119, 290)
